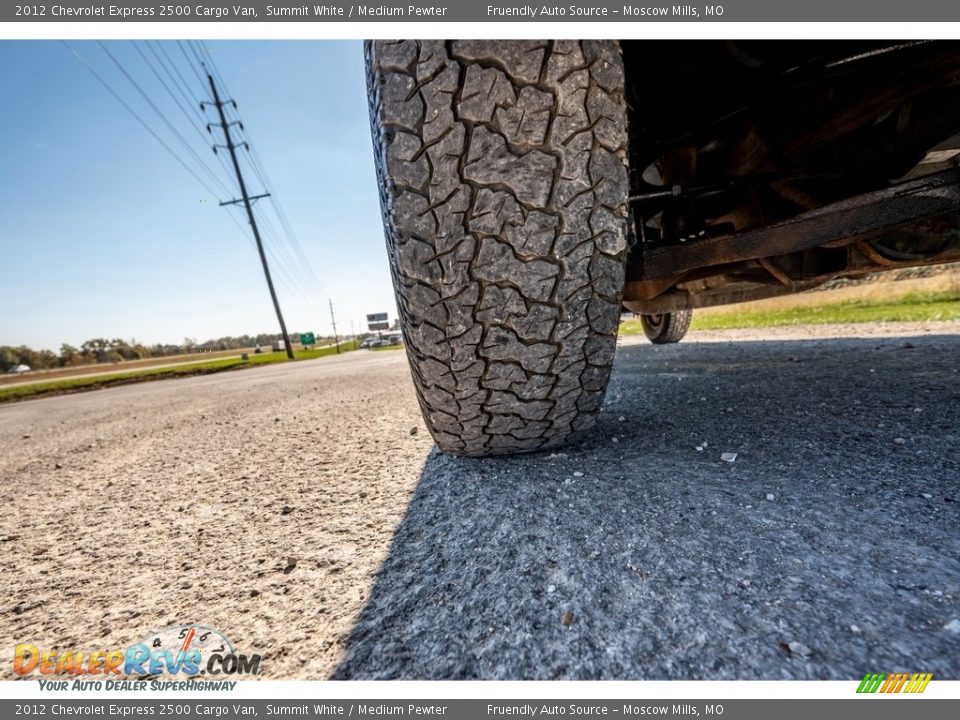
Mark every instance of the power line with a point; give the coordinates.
(180, 82)
(285, 279)
(191, 66)
(293, 267)
(197, 56)
(191, 101)
(288, 279)
(216, 180)
(139, 119)
(273, 236)
(170, 92)
(282, 216)
(260, 171)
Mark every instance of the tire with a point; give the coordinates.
(666, 328)
(503, 182)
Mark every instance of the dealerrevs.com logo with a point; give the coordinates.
(187, 651)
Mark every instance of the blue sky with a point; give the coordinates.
(103, 233)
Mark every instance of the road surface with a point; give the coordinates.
(300, 509)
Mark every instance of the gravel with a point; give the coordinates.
(337, 543)
(258, 502)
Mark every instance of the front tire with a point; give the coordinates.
(503, 183)
(666, 328)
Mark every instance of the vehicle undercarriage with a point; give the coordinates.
(765, 168)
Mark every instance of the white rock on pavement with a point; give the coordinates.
(798, 648)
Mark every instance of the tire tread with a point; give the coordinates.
(504, 190)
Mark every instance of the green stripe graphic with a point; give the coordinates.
(870, 683)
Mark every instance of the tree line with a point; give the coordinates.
(104, 350)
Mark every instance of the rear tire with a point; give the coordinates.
(666, 328)
(503, 183)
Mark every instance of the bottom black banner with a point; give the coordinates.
(873, 707)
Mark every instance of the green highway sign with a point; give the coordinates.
(307, 339)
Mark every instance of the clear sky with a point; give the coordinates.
(104, 234)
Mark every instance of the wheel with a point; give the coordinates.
(503, 183)
(666, 328)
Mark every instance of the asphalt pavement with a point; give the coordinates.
(301, 510)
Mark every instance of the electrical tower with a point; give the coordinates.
(246, 199)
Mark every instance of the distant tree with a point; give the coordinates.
(43, 359)
(95, 346)
(71, 356)
(8, 358)
(77, 359)
(104, 350)
(23, 355)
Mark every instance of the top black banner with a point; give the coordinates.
(479, 11)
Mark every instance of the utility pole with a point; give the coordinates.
(336, 340)
(247, 201)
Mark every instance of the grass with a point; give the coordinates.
(387, 347)
(322, 352)
(95, 382)
(123, 366)
(915, 307)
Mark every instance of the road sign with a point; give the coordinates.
(308, 339)
(377, 322)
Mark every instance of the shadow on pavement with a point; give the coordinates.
(829, 548)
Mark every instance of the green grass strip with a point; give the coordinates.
(918, 307)
(95, 382)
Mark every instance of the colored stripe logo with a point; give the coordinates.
(894, 682)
